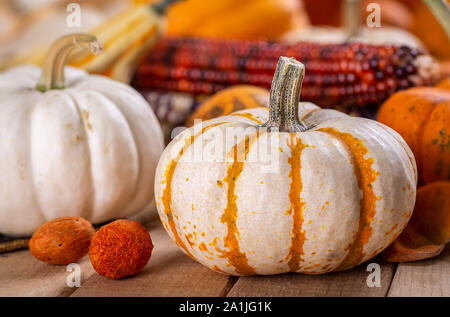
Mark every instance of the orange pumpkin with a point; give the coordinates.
(444, 83)
(230, 100)
(422, 117)
(444, 68)
(249, 19)
(428, 229)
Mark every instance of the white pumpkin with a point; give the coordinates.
(343, 188)
(328, 34)
(88, 150)
(353, 30)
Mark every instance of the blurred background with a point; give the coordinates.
(28, 27)
(24, 24)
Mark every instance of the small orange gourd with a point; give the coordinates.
(62, 240)
(421, 116)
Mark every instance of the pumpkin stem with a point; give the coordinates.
(441, 12)
(52, 76)
(285, 97)
(351, 16)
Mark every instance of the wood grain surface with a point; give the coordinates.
(22, 275)
(171, 273)
(423, 278)
(347, 283)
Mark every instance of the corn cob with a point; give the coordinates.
(348, 74)
(172, 108)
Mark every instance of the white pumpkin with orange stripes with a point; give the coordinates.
(340, 191)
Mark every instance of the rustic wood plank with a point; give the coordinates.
(347, 283)
(423, 278)
(169, 273)
(22, 275)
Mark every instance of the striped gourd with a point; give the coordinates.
(126, 38)
(332, 192)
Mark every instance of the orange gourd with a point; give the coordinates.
(230, 100)
(422, 117)
(444, 83)
(249, 19)
(428, 230)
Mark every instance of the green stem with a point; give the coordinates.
(161, 6)
(441, 11)
(285, 97)
(52, 76)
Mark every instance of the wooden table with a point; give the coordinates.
(171, 273)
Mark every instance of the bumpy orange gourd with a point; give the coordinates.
(422, 117)
(249, 19)
(230, 100)
(121, 248)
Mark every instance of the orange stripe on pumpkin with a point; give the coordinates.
(392, 229)
(166, 197)
(189, 239)
(216, 268)
(297, 205)
(235, 257)
(202, 247)
(307, 115)
(365, 176)
(247, 115)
